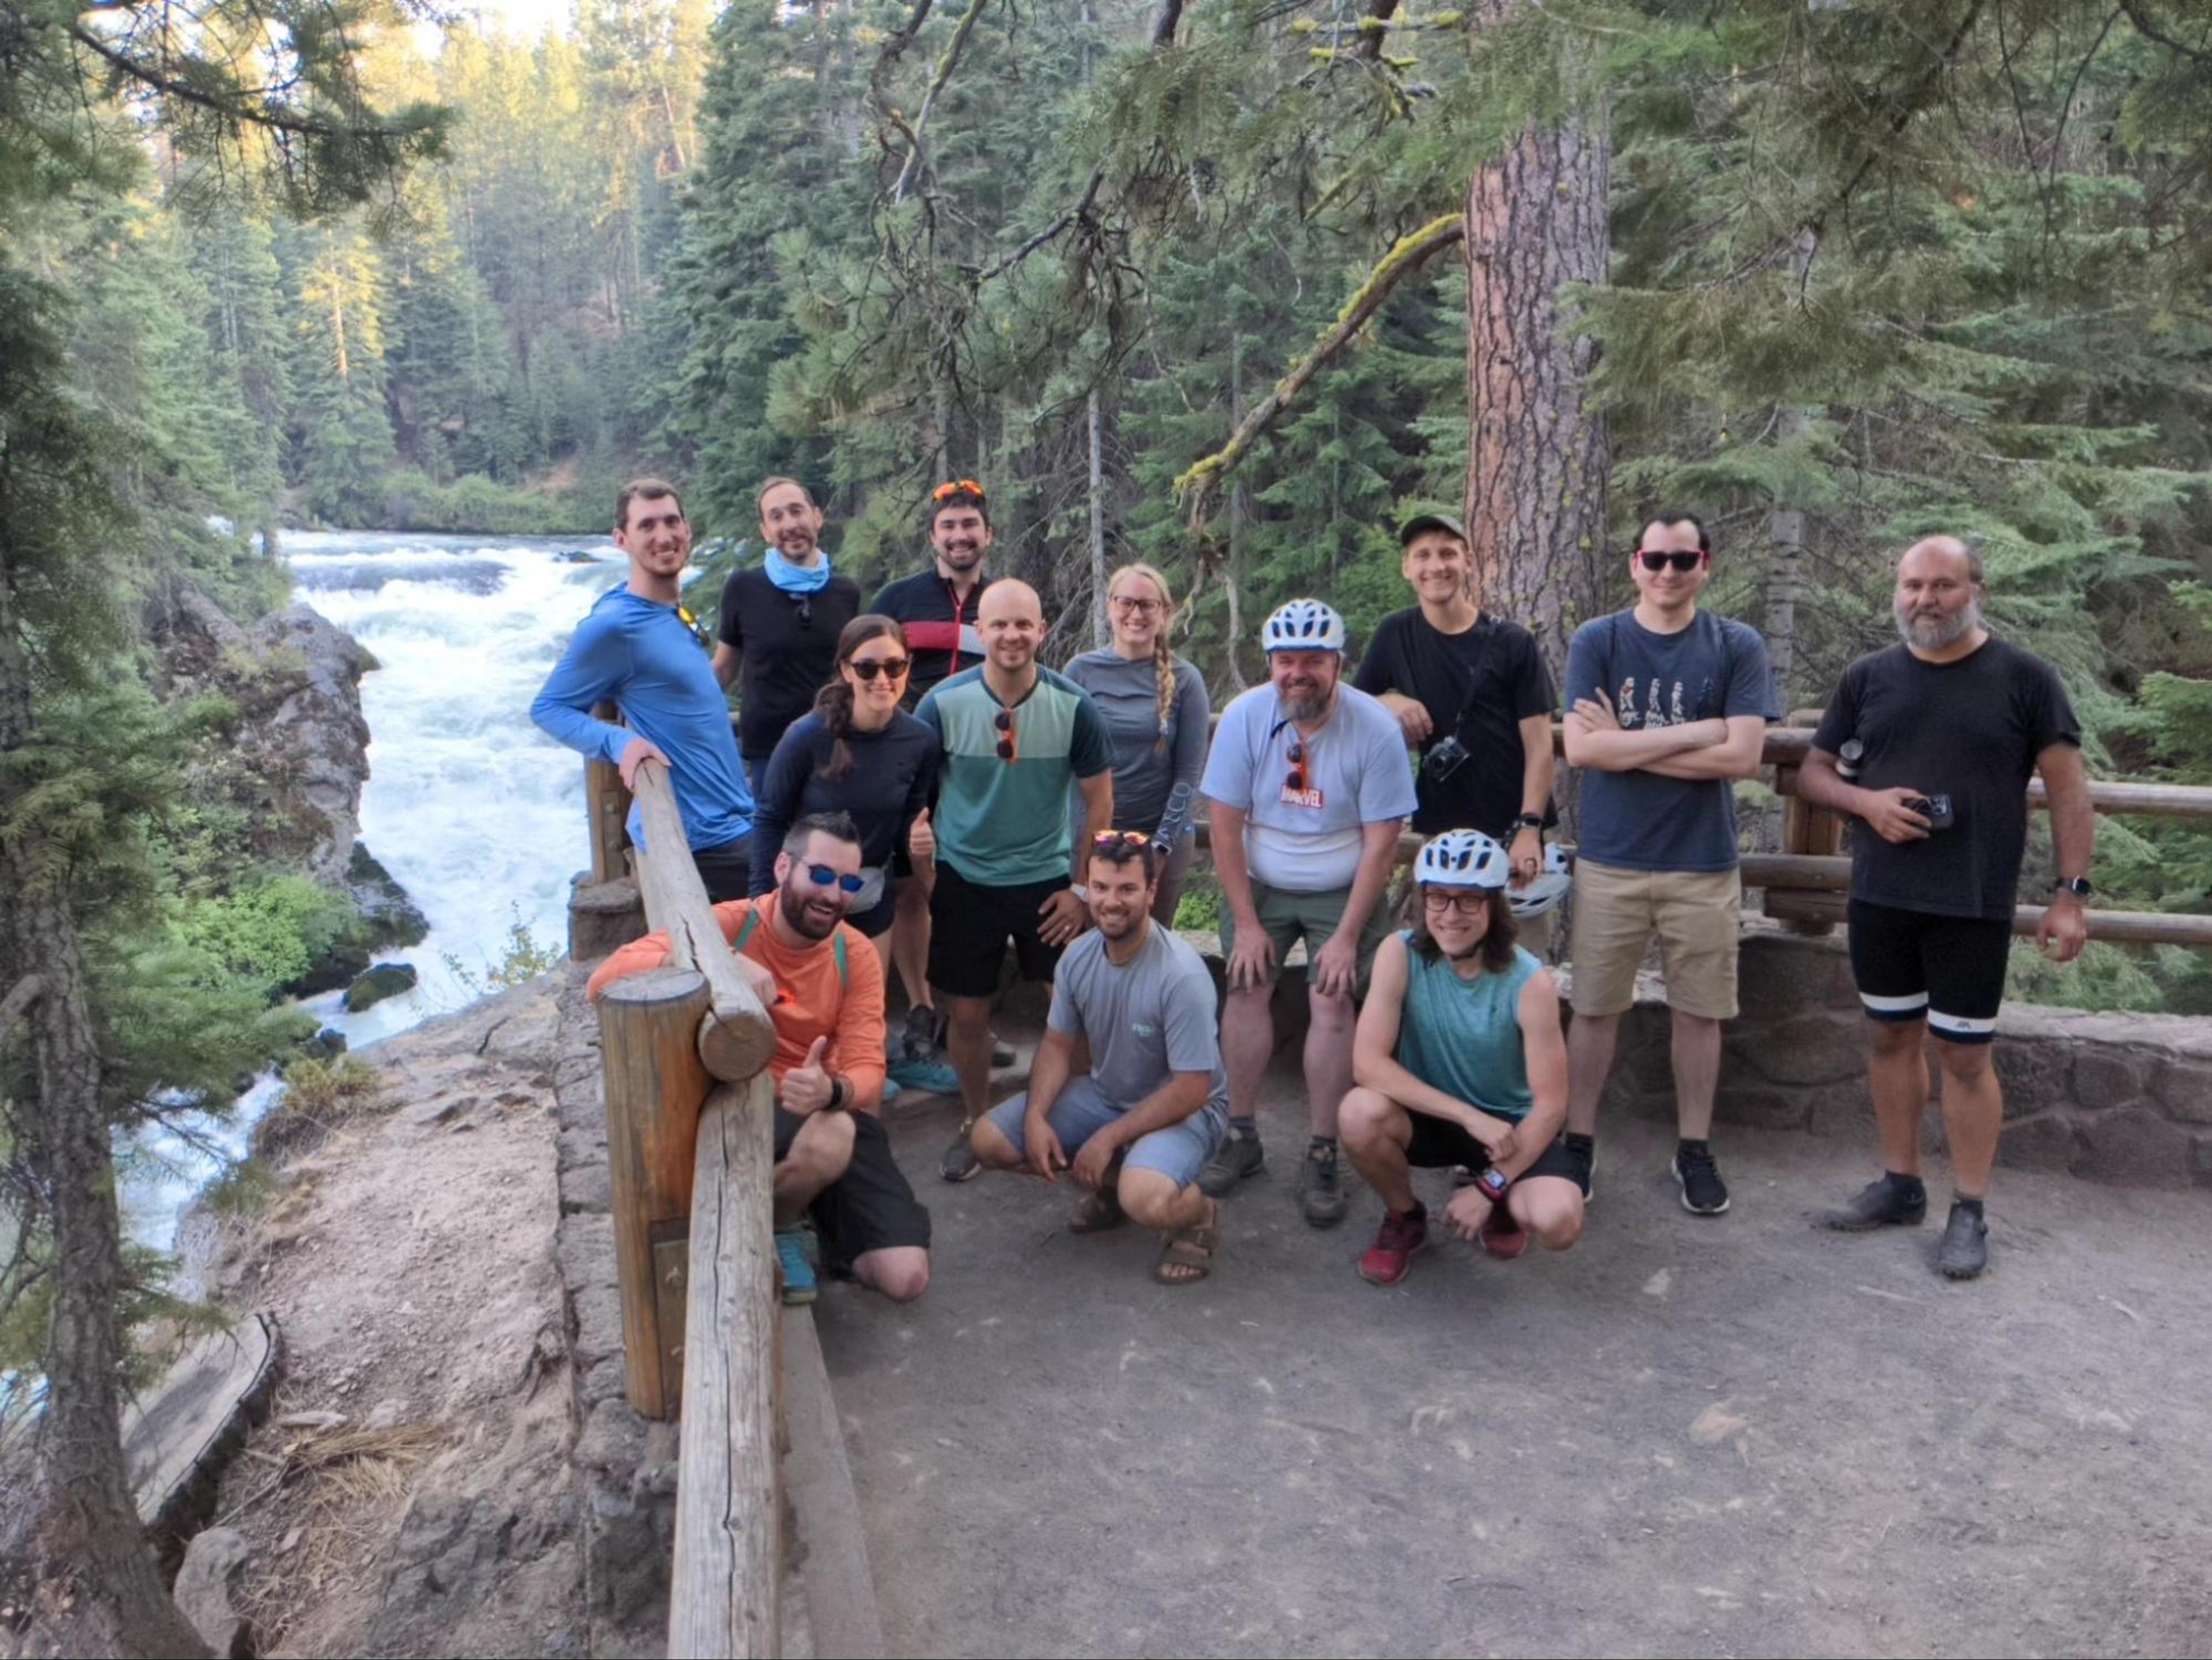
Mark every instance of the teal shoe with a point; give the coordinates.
(890, 1091)
(927, 1077)
(798, 1285)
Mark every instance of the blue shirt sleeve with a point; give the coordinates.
(1587, 664)
(1386, 781)
(926, 712)
(1090, 751)
(1194, 1043)
(598, 660)
(1751, 679)
(1228, 775)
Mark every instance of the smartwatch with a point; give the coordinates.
(2077, 885)
(1534, 821)
(1493, 1182)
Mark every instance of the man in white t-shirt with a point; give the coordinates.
(1309, 787)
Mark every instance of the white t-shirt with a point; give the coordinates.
(1356, 773)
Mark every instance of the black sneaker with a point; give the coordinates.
(960, 1163)
(918, 1038)
(1881, 1203)
(1704, 1193)
(1001, 1055)
(1321, 1187)
(1236, 1158)
(1964, 1252)
(1584, 1160)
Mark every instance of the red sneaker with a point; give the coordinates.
(1503, 1236)
(1395, 1243)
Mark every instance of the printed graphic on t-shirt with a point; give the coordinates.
(1676, 709)
(1311, 798)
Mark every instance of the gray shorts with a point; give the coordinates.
(1178, 1153)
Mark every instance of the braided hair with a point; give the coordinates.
(834, 702)
(1163, 656)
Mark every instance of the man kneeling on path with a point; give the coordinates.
(1460, 1061)
(1155, 1106)
(824, 992)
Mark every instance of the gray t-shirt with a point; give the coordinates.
(1355, 772)
(1714, 667)
(1146, 1018)
(1149, 762)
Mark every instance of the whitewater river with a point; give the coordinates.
(477, 814)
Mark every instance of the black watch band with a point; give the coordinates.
(1534, 821)
(2079, 886)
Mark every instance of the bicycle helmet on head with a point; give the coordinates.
(1303, 625)
(1544, 890)
(1461, 859)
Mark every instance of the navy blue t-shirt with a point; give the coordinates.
(1715, 668)
(894, 774)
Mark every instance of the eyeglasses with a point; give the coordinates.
(1295, 754)
(1009, 741)
(958, 487)
(1131, 603)
(1467, 902)
(822, 876)
(1660, 558)
(869, 667)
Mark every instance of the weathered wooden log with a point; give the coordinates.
(728, 1567)
(654, 1086)
(736, 1039)
(606, 800)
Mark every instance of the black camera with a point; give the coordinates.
(1444, 759)
(1935, 809)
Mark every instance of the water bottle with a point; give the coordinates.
(1174, 823)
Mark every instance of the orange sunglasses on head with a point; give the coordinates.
(959, 487)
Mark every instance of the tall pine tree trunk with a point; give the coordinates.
(1537, 456)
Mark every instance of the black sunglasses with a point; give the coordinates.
(1008, 747)
(889, 667)
(1297, 778)
(823, 875)
(1660, 558)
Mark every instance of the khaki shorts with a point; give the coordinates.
(1286, 916)
(1696, 915)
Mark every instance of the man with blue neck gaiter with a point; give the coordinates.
(780, 623)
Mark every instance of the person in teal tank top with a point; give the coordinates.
(1460, 1060)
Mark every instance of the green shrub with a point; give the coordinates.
(269, 932)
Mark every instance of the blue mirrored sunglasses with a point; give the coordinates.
(823, 875)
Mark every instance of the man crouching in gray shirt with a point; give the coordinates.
(1139, 1130)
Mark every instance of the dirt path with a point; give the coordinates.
(410, 1258)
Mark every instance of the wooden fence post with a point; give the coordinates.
(606, 801)
(1806, 829)
(654, 1085)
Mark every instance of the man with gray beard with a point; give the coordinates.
(1931, 743)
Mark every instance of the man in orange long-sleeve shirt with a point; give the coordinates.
(832, 1156)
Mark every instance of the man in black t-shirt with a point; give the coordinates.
(780, 623)
(937, 606)
(1931, 743)
(1472, 694)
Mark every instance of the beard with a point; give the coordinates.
(1117, 927)
(1939, 632)
(1307, 704)
(813, 919)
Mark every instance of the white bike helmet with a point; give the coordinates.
(1303, 625)
(1546, 888)
(1462, 859)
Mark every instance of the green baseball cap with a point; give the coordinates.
(1421, 521)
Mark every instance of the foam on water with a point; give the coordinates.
(477, 813)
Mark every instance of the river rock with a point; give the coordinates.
(327, 1045)
(384, 980)
(203, 1590)
(388, 916)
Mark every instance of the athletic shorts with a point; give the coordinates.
(1696, 915)
(1178, 1153)
(870, 1207)
(1287, 916)
(1947, 970)
(1437, 1145)
(970, 925)
(726, 871)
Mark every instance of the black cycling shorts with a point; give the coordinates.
(871, 1207)
(1947, 970)
(970, 925)
(1438, 1145)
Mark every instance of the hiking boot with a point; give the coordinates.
(1320, 1187)
(925, 1077)
(1001, 1055)
(1237, 1158)
(799, 1287)
(1885, 1202)
(960, 1163)
(1502, 1234)
(1396, 1243)
(1704, 1193)
(917, 1039)
(1964, 1252)
(1583, 1158)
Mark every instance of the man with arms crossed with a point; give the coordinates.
(1307, 787)
(823, 989)
(1471, 692)
(1017, 737)
(1136, 1130)
(1940, 735)
(1667, 706)
(779, 624)
(636, 646)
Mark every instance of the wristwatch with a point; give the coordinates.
(1534, 821)
(2077, 885)
(1493, 1182)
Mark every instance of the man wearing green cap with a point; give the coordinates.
(1472, 694)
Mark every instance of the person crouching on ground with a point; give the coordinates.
(824, 989)
(1155, 1105)
(1460, 1060)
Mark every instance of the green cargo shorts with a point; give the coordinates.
(1287, 916)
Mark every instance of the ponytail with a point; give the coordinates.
(833, 704)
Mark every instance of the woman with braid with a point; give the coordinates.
(1157, 715)
(859, 753)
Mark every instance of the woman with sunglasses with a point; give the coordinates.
(1157, 717)
(1460, 1060)
(859, 753)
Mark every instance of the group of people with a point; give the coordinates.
(908, 789)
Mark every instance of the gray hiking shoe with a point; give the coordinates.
(1882, 1203)
(960, 1163)
(1964, 1252)
(1321, 1187)
(1236, 1158)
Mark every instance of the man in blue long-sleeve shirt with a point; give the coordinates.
(637, 648)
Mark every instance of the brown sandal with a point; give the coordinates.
(1099, 1211)
(1190, 1250)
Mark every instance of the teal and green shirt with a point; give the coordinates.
(1002, 822)
(1463, 1036)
